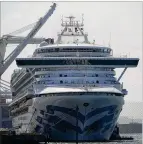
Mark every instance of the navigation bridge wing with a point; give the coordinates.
(81, 61)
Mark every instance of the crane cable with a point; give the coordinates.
(17, 32)
(21, 30)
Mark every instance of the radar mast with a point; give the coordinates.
(71, 27)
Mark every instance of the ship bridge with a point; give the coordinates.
(74, 61)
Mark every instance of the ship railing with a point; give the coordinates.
(70, 68)
(76, 54)
(72, 23)
(69, 34)
(19, 75)
(22, 87)
(20, 110)
(24, 93)
(121, 55)
(20, 71)
(118, 86)
(100, 85)
(16, 81)
(22, 106)
(74, 85)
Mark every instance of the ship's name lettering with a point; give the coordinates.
(77, 62)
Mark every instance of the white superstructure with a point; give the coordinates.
(68, 90)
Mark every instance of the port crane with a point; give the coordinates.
(22, 41)
(6, 63)
(10, 39)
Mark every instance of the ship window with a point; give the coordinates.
(61, 81)
(60, 75)
(96, 75)
(72, 81)
(97, 81)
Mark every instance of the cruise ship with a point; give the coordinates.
(67, 90)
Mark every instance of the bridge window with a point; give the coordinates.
(61, 81)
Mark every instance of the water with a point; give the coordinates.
(137, 140)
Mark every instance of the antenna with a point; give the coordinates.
(94, 41)
(72, 28)
(62, 19)
(82, 18)
(110, 41)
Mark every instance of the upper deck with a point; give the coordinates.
(73, 50)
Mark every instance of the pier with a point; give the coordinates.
(9, 137)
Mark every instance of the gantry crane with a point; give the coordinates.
(22, 41)
(10, 39)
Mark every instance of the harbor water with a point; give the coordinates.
(137, 140)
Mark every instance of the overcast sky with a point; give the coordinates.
(122, 19)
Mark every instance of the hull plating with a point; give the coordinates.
(59, 118)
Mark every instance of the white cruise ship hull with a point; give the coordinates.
(59, 118)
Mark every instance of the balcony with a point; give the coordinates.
(22, 95)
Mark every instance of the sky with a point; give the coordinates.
(119, 23)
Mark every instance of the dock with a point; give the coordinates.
(7, 137)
